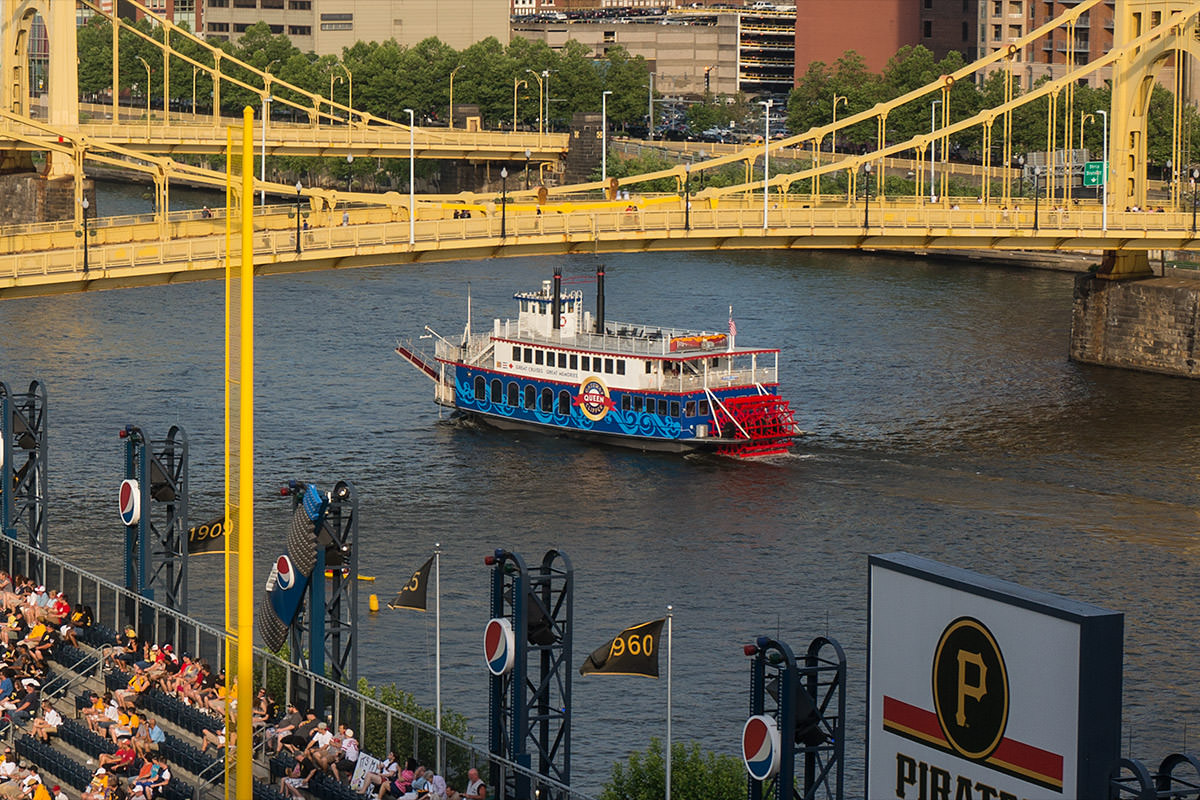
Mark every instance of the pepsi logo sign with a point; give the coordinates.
(130, 498)
(285, 574)
(760, 747)
(499, 646)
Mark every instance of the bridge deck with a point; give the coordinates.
(190, 250)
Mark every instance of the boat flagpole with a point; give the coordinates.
(467, 332)
(732, 329)
(670, 616)
(437, 648)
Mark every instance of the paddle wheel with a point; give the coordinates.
(764, 423)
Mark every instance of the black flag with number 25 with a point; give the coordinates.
(633, 651)
(413, 593)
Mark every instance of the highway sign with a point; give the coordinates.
(1093, 173)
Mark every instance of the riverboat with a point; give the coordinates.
(559, 369)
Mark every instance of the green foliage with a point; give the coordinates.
(402, 742)
(649, 161)
(387, 77)
(694, 774)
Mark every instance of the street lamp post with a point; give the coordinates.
(147, 66)
(266, 109)
(1037, 193)
(452, 73)
(350, 90)
(1020, 176)
(687, 197)
(516, 82)
(503, 202)
(604, 135)
(546, 76)
(1104, 182)
(349, 168)
(528, 153)
(541, 94)
(837, 98)
(412, 174)
(298, 188)
(195, 71)
(85, 204)
(932, 151)
(1195, 181)
(332, 77)
(867, 204)
(766, 104)
(650, 111)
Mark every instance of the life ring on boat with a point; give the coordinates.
(562, 321)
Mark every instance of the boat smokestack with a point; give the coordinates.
(556, 299)
(600, 299)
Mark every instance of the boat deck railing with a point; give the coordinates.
(620, 338)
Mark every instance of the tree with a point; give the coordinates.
(628, 78)
(694, 774)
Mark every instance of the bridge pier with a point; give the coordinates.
(1151, 324)
(1123, 265)
(27, 197)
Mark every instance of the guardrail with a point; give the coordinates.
(380, 728)
(903, 223)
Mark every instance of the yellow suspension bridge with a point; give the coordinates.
(350, 229)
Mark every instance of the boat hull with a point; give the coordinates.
(616, 440)
(651, 421)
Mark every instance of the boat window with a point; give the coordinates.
(562, 360)
(674, 408)
(689, 408)
(528, 355)
(524, 305)
(637, 404)
(649, 367)
(564, 403)
(704, 408)
(537, 356)
(608, 366)
(662, 406)
(480, 388)
(497, 391)
(574, 361)
(620, 366)
(716, 362)
(547, 399)
(530, 396)
(626, 402)
(585, 363)
(513, 393)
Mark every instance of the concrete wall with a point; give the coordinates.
(1151, 324)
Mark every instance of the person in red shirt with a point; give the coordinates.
(120, 760)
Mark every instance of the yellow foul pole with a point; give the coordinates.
(245, 605)
(230, 444)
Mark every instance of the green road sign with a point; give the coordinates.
(1093, 173)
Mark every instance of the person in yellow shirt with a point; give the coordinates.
(128, 696)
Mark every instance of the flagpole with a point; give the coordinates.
(670, 616)
(437, 659)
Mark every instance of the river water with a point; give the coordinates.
(943, 419)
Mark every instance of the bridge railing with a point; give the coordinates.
(904, 223)
(379, 727)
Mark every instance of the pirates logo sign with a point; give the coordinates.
(970, 688)
(593, 399)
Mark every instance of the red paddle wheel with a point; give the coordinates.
(764, 422)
